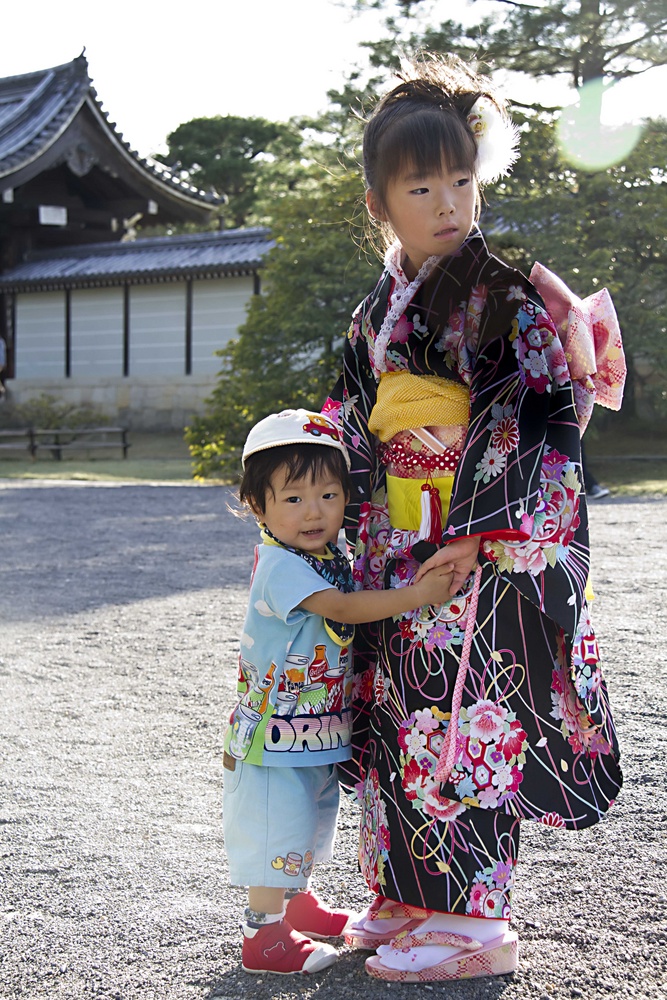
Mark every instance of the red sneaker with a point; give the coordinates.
(279, 948)
(309, 915)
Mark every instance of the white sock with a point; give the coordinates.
(483, 929)
(385, 926)
(267, 918)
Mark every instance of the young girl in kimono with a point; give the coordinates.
(457, 408)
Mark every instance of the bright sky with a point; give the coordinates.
(156, 65)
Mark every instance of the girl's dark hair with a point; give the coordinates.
(422, 121)
(300, 461)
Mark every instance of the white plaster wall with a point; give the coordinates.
(157, 393)
(40, 335)
(157, 329)
(97, 332)
(218, 310)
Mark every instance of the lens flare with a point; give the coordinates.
(585, 141)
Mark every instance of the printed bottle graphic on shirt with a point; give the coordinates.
(296, 672)
(313, 695)
(258, 697)
(244, 724)
(334, 678)
(318, 666)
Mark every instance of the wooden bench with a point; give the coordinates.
(65, 439)
(20, 439)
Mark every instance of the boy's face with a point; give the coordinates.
(304, 513)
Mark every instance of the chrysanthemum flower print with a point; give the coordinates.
(552, 819)
(491, 464)
(370, 554)
(576, 723)
(505, 435)
(364, 686)
(504, 429)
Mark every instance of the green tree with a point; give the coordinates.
(228, 154)
(288, 351)
(602, 229)
(582, 39)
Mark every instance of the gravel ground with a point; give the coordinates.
(121, 607)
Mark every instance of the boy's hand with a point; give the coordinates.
(433, 587)
(460, 556)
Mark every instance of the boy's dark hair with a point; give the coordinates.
(300, 461)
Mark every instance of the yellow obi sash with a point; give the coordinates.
(408, 402)
(405, 401)
(404, 498)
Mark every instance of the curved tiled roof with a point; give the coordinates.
(36, 108)
(163, 258)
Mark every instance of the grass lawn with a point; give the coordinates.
(625, 477)
(630, 464)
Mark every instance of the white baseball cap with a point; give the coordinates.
(293, 427)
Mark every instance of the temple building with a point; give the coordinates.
(90, 314)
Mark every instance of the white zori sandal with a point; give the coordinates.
(381, 922)
(429, 954)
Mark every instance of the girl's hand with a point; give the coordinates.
(433, 586)
(459, 555)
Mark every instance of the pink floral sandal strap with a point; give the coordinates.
(417, 939)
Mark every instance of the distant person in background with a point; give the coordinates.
(594, 491)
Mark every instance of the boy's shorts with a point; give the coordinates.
(278, 822)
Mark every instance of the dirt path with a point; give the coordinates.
(120, 610)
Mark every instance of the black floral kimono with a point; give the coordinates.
(535, 738)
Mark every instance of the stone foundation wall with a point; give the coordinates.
(138, 403)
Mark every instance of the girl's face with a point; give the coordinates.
(430, 214)
(304, 513)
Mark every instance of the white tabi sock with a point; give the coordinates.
(483, 929)
(385, 926)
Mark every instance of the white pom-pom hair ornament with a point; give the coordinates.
(497, 140)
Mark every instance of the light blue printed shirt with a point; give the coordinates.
(295, 681)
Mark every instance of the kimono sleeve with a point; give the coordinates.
(519, 481)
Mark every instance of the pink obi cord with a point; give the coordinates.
(448, 752)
